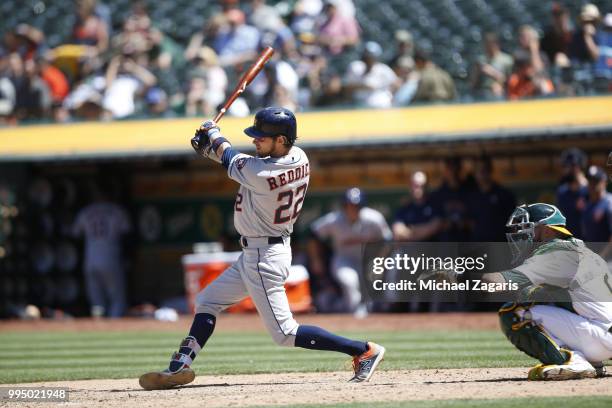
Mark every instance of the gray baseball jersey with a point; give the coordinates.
(271, 194)
(102, 224)
(347, 238)
(268, 203)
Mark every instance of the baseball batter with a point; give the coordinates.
(272, 189)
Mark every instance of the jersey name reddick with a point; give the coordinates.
(288, 176)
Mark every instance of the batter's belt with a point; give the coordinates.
(258, 242)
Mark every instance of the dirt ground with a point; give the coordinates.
(317, 388)
(310, 388)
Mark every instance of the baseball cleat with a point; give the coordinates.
(561, 372)
(365, 364)
(162, 380)
(600, 369)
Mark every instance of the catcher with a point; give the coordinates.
(571, 339)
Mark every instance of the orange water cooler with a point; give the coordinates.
(201, 269)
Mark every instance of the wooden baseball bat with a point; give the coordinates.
(246, 79)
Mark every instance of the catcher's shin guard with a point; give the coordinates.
(528, 336)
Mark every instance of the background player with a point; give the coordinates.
(348, 230)
(272, 189)
(103, 223)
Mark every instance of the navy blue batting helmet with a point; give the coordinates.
(274, 121)
(354, 196)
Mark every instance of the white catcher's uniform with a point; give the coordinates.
(267, 205)
(347, 240)
(569, 264)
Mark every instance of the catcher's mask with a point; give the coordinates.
(520, 229)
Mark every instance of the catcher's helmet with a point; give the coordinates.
(521, 226)
(274, 121)
(354, 196)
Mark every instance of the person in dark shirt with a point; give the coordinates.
(418, 220)
(490, 205)
(558, 35)
(572, 193)
(597, 216)
(583, 47)
(450, 201)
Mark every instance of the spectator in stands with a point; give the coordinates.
(259, 14)
(88, 42)
(275, 33)
(526, 81)
(137, 32)
(584, 48)
(207, 84)
(491, 71)
(405, 47)
(281, 85)
(8, 98)
(529, 42)
(337, 30)
(597, 216)
(90, 30)
(304, 16)
(206, 36)
(236, 42)
(603, 67)
(55, 80)
(490, 205)
(33, 98)
(25, 40)
(370, 82)
(166, 97)
(331, 92)
(417, 220)
(309, 67)
(451, 201)
(126, 80)
(572, 192)
(435, 84)
(408, 81)
(85, 98)
(558, 36)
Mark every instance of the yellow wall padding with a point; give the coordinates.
(321, 128)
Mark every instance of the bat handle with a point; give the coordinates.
(220, 115)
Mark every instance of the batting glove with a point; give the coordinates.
(201, 140)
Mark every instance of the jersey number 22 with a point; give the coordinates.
(283, 213)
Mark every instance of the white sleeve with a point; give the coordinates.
(381, 227)
(385, 231)
(324, 226)
(556, 268)
(249, 171)
(354, 72)
(390, 76)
